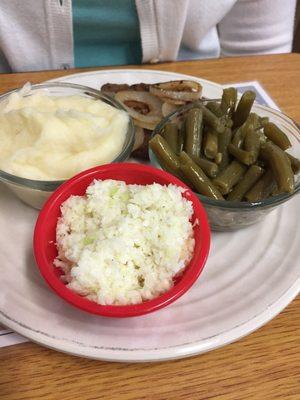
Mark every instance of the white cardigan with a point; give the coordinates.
(38, 34)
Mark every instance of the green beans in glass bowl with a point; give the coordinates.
(208, 146)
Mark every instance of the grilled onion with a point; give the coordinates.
(167, 108)
(183, 90)
(142, 106)
(172, 101)
(139, 138)
(143, 124)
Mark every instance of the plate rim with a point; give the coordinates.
(164, 353)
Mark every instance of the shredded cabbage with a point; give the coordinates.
(123, 244)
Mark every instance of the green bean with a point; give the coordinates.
(208, 167)
(275, 134)
(243, 108)
(251, 176)
(254, 120)
(263, 139)
(280, 165)
(224, 140)
(218, 158)
(238, 137)
(184, 158)
(227, 106)
(229, 99)
(229, 177)
(241, 132)
(214, 107)
(170, 134)
(166, 157)
(193, 132)
(201, 182)
(295, 163)
(229, 123)
(263, 121)
(212, 121)
(263, 188)
(181, 136)
(226, 121)
(245, 157)
(252, 142)
(210, 145)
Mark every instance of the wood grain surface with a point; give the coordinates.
(263, 366)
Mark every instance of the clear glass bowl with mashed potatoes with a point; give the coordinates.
(49, 132)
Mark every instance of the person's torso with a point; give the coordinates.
(105, 33)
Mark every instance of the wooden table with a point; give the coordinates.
(262, 366)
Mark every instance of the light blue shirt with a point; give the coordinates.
(106, 32)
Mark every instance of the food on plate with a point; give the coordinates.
(164, 153)
(147, 104)
(276, 135)
(47, 137)
(263, 188)
(177, 92)
(124, 244)
(243, 108)
(249, 179)
(143, 107)
(199, 180)
(280, 166)
(193, 131)
(171, 135)
(225, 151)
(230, 176)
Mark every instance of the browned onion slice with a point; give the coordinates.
(167, 108)
(139, 138)
(143, 124)
(175, 102)
(142, 106)
(183, 90)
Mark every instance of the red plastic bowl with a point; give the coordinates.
(44, 237)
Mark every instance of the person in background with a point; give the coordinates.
(61, 34)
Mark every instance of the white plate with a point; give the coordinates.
(251, 275)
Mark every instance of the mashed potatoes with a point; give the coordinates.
(122, 244)
(52, 138)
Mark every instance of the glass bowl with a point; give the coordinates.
(35, 192)
(45, 249)
(226, 215)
